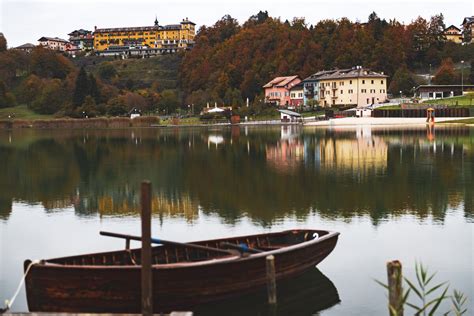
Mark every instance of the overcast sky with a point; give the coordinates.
(24, 21)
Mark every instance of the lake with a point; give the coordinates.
(391, 193)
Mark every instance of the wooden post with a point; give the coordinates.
(147, 302)
(271, 283)
(395, 289)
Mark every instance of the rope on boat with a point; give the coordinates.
(9, 303)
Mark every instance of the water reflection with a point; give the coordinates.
(307, 294)
(264, 174)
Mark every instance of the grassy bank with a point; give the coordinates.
(463, 121)
(21, 112)
(91, 123)
(460, 101)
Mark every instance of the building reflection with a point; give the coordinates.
(264, 174)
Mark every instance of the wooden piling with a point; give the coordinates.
(395, 289)
(147, 302)
(271, 282)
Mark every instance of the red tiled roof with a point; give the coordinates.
(280, 81)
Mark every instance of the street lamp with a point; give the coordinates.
(462, 77)
(401, 94)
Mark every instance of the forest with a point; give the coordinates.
(229, 63)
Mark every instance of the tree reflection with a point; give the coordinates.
(262, 173)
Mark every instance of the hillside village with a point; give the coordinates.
(108, 71)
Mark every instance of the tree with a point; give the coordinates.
(168, 102)
(3, 43)
(94, 91)
(82, 88)
(116, 106)
(106, 71)
(51, 99)
(7, 99)
(470, 79)
(445, 73)
(402, 81)
(30, 89)
(46, 63)
(436, 30)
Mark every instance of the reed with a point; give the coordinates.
(428, 296)
(145, 121)
(119, 122)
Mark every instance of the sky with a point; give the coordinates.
(25, 21)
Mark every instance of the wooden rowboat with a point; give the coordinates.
(183, 276)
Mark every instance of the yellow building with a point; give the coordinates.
(453, 34)
(358, 86)
(157, 38)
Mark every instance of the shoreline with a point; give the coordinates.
(384, 121)
(154, 122)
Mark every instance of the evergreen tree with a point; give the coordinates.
(82, 88)
(3, 43)
(93, 88)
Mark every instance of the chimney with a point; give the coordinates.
(95, 28)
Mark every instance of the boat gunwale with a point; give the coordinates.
(208, 262)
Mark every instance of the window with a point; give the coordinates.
(300, 95)
(372, 82)
(381, 81)
(350, 81)
(342, 91)
(363, 81)
(363, 90)
(292, 95)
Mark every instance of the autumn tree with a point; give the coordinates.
(445, 73)
(7, 99)
(46, 63)
(30, 89)
(51, 99)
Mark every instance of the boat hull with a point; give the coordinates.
(109, 289)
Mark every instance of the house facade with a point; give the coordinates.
(27, 48)
(453, 34)
(354, 86)
(277, 91)
(54, 43)
(296, 95)
(468, 29)
(160, 37)
(82, 39)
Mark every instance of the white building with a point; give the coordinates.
(54, 43)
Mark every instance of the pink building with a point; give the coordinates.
(277, 91)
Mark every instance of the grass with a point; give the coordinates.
(21, 112)
(465, 100)
(141, 73)
(183, 121)
(463, 121)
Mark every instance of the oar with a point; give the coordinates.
(240, 247)
(167, 242)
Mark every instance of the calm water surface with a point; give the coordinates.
(392, 194)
